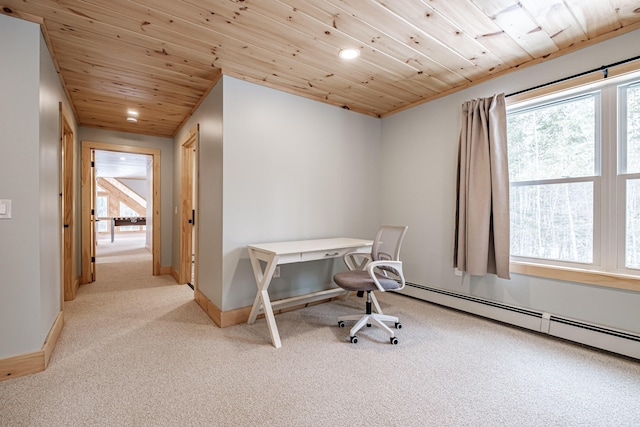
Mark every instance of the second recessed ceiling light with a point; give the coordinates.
(349, 53)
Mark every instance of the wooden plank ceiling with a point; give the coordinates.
(161, 57)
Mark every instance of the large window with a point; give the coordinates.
(629, 167)
(574, 168)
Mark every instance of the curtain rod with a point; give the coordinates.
(604, 69)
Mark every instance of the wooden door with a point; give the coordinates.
(188, 211)
(94, 215)
(88, 215)
(69, 285)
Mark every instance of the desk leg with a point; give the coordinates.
(263, 280)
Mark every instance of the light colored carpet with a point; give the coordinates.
(136, 350)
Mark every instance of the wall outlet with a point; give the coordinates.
(457, 272)
(276, 272)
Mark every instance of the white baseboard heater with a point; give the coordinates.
(616, 341)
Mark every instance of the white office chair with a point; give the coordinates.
(383, 272)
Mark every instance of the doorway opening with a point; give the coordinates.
(122, 192)
(120, 201)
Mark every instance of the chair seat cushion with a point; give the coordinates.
(359, 280)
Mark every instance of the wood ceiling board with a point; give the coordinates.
(450, 63)
(378, 48)
(301, 48)
(595, 17)
(157, 77)
(135, 82)
(136, 57)
(470, 20)
(444, 32)
(139, 94)
(245, 52)
(627, 11)
(117, 106)
(164, 56)
(518, 23)
(555, 19)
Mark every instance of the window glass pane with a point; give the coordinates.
(126, 211)
(632, 247)
(553, 141)
(102, 203)
(553, 221)
(633, 129)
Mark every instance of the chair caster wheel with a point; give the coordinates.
(398, 325)
(354, 340)
(341, 324)
(394, 340)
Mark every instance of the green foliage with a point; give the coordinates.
(554, 156)
(633, 129)
(553, 141)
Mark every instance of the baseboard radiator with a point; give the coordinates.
(616, 341)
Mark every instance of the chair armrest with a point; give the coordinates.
(356, 260)
(394, 267)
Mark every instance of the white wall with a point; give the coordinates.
(293, 169)
(209, 219)
(165, 145)
(51, 94)
(274, 167)
(139, 186)
(19, 181)
(422, 144)
(29, 176)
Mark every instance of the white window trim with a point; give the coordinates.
(605, 197)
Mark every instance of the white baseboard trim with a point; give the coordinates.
(609, 339)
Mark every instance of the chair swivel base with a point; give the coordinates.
(369, 319)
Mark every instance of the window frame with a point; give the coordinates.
(596, 177)
(609, 187)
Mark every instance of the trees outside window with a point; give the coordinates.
(629, 165)
(102, 210)
(574, 170)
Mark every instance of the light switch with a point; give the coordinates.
(5, 209)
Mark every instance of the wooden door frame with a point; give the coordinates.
(87, 146)
(89, 158)
(189, 150)
(68, 282)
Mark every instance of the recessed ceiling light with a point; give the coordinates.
(349, 53)
(123, 158)
(132, 119)
(132, 113)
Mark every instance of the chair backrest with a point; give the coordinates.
(387, 244)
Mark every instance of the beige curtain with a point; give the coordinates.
(482, 211)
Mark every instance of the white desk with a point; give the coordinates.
(275, 254)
